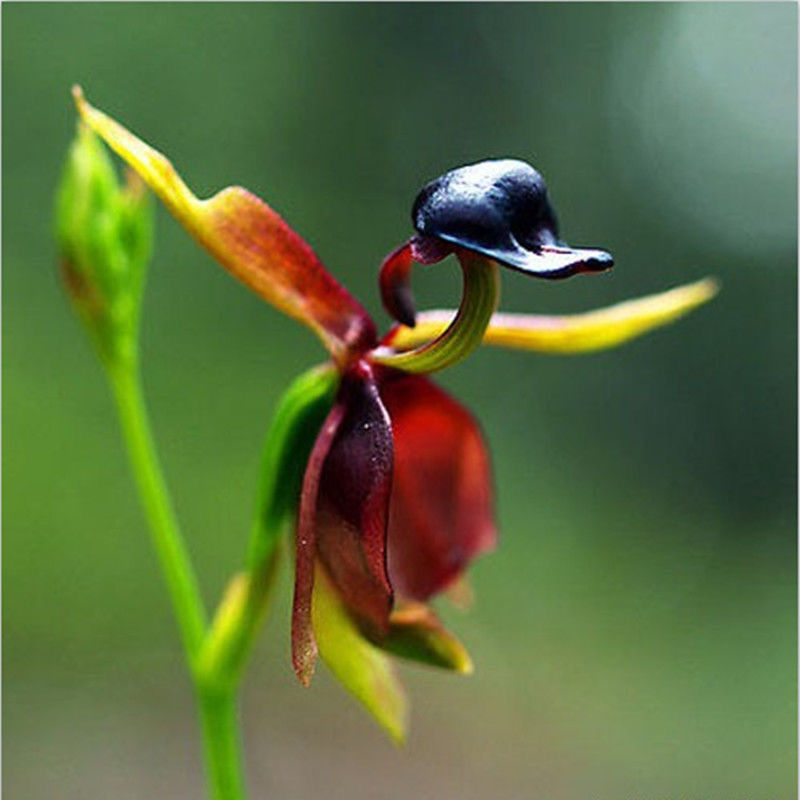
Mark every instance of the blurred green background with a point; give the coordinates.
(635, 633)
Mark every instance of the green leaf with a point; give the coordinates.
(291, 435)
(361, 668)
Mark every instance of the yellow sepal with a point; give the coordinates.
(570, 333)
(364, 670)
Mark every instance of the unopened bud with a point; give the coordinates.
(104, 230)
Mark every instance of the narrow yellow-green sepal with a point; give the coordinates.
(360, 667)
(416, 633)
(571, 333)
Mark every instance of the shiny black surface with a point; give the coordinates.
(500, 208)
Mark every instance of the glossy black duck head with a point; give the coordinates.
(498, 209)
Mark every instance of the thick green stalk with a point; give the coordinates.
(219, 716)
(217, 709)
(164, 532)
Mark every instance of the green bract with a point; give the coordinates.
(104, 230)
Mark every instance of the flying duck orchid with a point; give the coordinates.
(391, 487)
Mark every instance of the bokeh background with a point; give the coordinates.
(635, 634)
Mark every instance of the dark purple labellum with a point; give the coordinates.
(501, 210)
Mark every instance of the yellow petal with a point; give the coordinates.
(570, 333)
(248, 238)
(365, 671)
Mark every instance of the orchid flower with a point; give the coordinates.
(394, 499)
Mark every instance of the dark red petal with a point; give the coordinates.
(395, 274)
(353, 506)
(304, 648)
(441, 513)
(395, 284)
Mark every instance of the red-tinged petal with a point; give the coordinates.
(250, 240)
(353, 506)
(395, 274)
(304, 648)
(395, 284)
(441, 510)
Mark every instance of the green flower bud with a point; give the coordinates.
(104, 230)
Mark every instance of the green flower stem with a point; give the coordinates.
(164, 532)
(219, 715)
(479, 301)
(217, 708)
